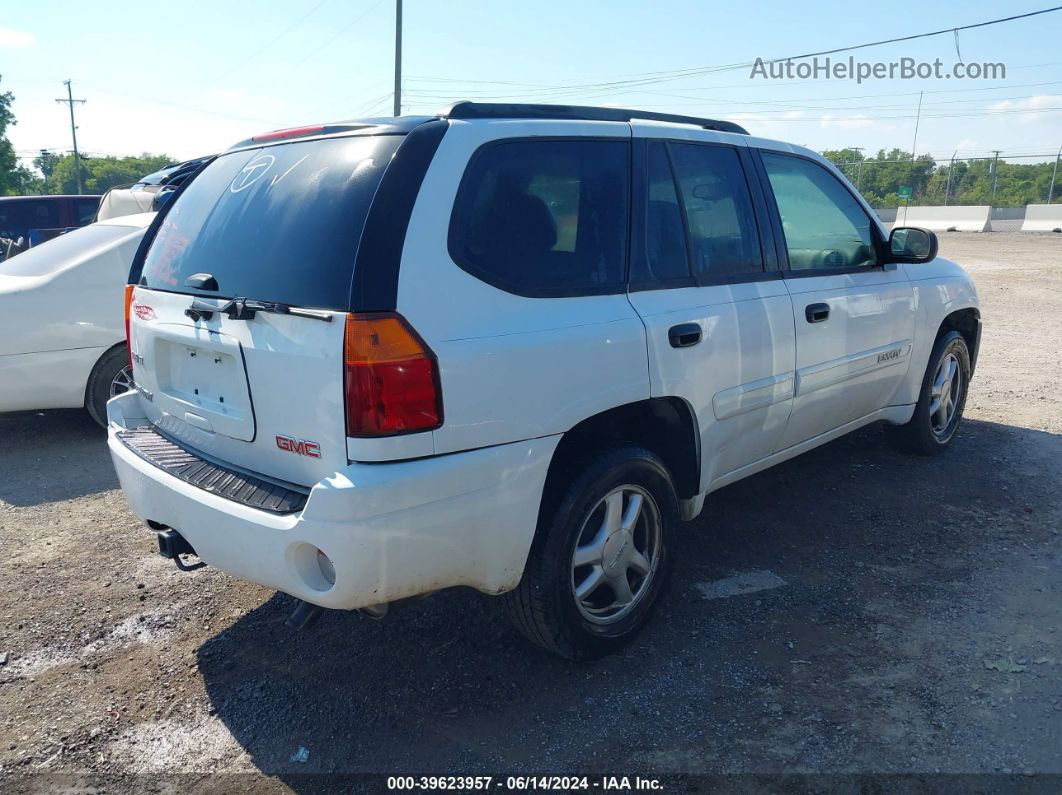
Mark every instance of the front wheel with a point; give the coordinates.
(112, 376)
(599, 561)
(941, 401)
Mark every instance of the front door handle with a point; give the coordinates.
(684, 335)
(816, 313)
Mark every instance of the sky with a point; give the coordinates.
(191, 78)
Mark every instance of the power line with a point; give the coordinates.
(156, 101)
(271, 42)
(924, 35)
(332, 39)
(433, 94)
(650, 78)
(784, 107)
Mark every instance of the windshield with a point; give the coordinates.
(59, 252)
(280, 223)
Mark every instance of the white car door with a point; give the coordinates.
(704, 281)
(854, 318)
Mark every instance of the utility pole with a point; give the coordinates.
(859, 170)
(995, 174)
(951, 167)
(914, 147)
(1051, 190)
(73, 130)
(398, 58)
(918, 118)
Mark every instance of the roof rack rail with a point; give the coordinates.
(516, 110)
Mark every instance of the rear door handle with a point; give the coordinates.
(816, 313)
(684, 335)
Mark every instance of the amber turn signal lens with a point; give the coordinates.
(129, 288)
(391, 378)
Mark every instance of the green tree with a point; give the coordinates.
(14, 178)
(45, 163)
(879, 177)
(98, 174)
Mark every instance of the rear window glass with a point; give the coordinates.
(60, 252)
(545, 217)
(280, 223)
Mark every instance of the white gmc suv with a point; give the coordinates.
(511, 347)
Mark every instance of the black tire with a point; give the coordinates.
(98, 391)
(544, 606)
(922, 435)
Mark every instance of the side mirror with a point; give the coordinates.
(162, 196)
(912, 244)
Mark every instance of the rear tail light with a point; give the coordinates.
(391, 378)
(129, 288)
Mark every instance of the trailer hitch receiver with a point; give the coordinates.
(172, 545)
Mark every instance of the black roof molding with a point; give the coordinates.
(516, 110)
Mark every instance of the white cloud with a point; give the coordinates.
(1031, 104)
(764, 119)
(16, 38)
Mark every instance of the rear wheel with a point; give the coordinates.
(941, 401)
(599, 561)
(111, 376)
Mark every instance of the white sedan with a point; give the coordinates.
(62, 319)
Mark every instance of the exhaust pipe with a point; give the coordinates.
(375, 611)
(304, 616)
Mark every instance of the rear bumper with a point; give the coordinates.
(391, 530)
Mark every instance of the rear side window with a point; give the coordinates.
(545, 217)
(18, 217)
(86, 210)
(723, 237)
(280, 223)
(667, 258)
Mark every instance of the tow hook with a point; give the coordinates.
(304, 616)
(172, 545)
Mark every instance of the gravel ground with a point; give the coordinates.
(907, 620)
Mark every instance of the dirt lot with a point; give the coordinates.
(915, 623)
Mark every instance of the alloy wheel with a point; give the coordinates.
(616, 555)
(945, 395)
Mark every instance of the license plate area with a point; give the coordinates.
(202, 381)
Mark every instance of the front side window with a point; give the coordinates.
(545, 217)
(825, 227)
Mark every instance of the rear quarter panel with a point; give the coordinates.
(511, 367)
